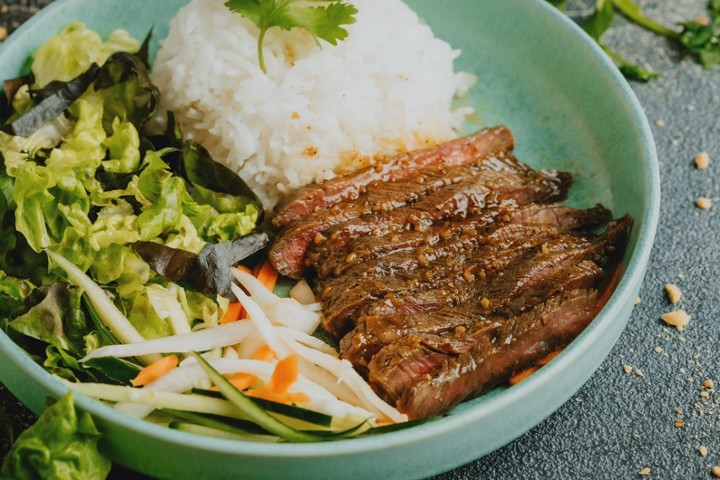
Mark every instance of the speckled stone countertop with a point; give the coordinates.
(659, 414)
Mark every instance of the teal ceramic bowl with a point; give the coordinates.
(568, 107)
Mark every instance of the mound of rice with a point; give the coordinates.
(319, 110)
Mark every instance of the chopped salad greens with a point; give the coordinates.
(121, 267)
(85, 178)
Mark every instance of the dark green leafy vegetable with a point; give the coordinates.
(53, 105)
(560, 4)
(61, 445)
(208, 271)
(323, 21)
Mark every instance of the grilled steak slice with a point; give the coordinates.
(449, 281)
(469, 197)
(490, 358)
(289, 248)
(373, 332)
(321, 196)
(443, 239)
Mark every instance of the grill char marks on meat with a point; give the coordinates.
(330, 259)
(373, 332)
(450, 276)
(446, 279)
(494, 356)
(324, 195)
(432, 193)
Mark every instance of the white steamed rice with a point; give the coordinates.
(388, 87)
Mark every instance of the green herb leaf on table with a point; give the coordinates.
(597, 24)
(323, 21)
(61, 445)
(635, 14)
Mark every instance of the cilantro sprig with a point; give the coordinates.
(322, 19)
(700, 37)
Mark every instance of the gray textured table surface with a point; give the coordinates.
(620, 423)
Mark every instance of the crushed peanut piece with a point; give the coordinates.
(679, 424)
(639, 372)
(678, 410)
(703, 20)
(627, 368)
(704, 394)
(658, 350)
(702, 160)
(638, 301)
(3, 33)
(703, 451)
(704, 203)
(708, 383)
(660, 122)
(673, 292)
(715, 471)
(644, 472)
(678, 319)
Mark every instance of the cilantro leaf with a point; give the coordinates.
(323, 21)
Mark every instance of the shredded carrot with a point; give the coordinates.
(287, 397)
(264, 354)
(267, 275)
(242, 381)
(284, 375)
(545, 360)
(232, 314)
(155, 370)
(515, 379)
(244, 269)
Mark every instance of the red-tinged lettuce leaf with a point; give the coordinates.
(206, 272)
(12, 85)
(197, 166)
(131, 94)
(173, 264)
(53, 104)
(55, 317)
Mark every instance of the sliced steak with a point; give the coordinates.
(288, 251)
(469, 197)
(490, 358)
(324, 195)
(331, 258)
(373, 332)
(449, 281)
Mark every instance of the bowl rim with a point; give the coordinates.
(623, 294)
